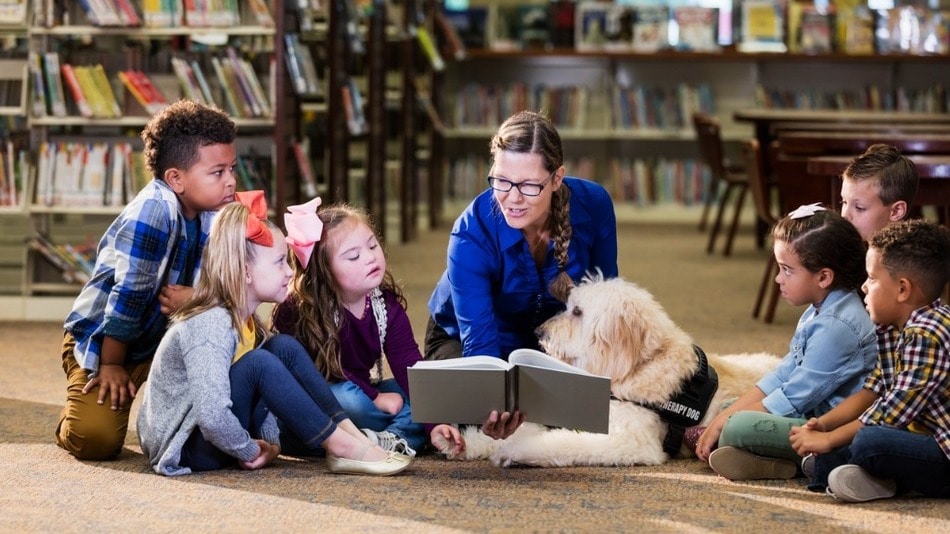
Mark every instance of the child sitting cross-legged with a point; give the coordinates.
(894, 434)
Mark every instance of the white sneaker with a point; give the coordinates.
(850, 483)
(389, 442)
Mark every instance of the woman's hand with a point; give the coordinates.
(390, 403)
(500, 426)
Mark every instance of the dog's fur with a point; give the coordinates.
(615, 328)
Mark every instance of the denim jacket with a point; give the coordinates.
(832, 351)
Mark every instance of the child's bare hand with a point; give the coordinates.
(709, 439)
(269, 453)
(807, 441)
(172, 297)
(447, 439)
(115, 384)
(814, 424)
(390, 403)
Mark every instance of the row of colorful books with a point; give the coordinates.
(103, 174)
(762, 26)
(75, 262)
(660, 107)
(154, 13)
(933, 99)
(238, 85)
(640, 181)
(486, 105)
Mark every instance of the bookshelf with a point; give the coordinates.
(231, 58)
(376, 154)
(735, 81)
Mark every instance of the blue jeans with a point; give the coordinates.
(914, 461)
(278, 377)
(365, 414)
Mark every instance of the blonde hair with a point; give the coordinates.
(319, 298)
(527, 132)
(223, 277)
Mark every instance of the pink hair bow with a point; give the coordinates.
(257, 230)
(304, 229)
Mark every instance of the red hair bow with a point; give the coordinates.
(257, 230)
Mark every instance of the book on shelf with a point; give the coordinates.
(618, 28)
(698, 28)
(145, 92)
(453, 44)
(14, 166)
(72, 82)
(810, 28)
(651, 25)
(261, 12)
(763, 26)
(308, 184)
(591, 23)
(548, 391)
(562, 18)
(471, 25)
(303, 73)
(855, 30)
(532, 26)
(38, 92)
(353, 108)
(101, 12)
(163, 13)
(13, 12)
(53, 83)
(429, 50)
(502, 27)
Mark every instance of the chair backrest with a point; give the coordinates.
(709, 135)
(755, 170)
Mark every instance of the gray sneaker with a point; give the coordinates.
(850, 483)
(808, 466)
(738, 464)
(389, 442)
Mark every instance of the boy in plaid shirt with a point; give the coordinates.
(146, 263)
(894, 435)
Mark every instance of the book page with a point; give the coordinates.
(470, 362)
(534, 358)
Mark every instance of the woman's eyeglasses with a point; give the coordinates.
(528, 189)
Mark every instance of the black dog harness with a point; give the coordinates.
(689, 406)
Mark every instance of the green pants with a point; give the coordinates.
(761, 433)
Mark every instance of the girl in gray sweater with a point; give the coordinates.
(214, 390)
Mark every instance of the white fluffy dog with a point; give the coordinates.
(615, 328)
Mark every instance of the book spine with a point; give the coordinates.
(38, 84)
(78, 97)
(54, 84)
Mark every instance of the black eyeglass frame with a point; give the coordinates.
(493, 180)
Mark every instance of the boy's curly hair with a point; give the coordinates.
(918, 250)
(174, 135)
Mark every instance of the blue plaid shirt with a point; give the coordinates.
(146, 247)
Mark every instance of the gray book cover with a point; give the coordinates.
(548, 391)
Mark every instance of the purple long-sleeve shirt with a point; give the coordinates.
(359, 342)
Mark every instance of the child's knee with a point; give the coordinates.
(90, 440)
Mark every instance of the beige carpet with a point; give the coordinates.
(45, 490)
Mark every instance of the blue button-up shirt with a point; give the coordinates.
(145, 248)
(492, 294)
(833, 350)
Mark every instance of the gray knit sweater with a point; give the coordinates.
(189, 386)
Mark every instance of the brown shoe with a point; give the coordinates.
(738, 464)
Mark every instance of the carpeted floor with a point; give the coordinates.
(45, 490)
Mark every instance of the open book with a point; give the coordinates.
(548, 391)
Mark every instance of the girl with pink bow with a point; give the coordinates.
(347, 310)
(220, 380)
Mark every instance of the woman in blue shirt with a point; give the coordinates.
(516, 251)
(519, 246)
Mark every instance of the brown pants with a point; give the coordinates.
(87, 429)
(439, 345)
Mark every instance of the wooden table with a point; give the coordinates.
(857, 141)
(934, 172)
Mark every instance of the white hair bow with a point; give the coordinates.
(806, 210)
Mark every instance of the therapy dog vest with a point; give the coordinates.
(688, 407)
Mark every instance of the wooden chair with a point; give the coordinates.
(760, 188)
(733, 177)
